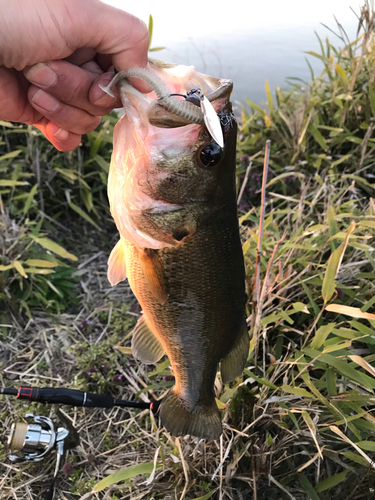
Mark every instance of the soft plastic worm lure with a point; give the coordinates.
(205, 114)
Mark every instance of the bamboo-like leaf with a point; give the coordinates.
(267, 119)
(332, 225)
(372, 98)
(269, 96)
(220, 404)
(331, 380)
(354, 312)
(260, 380)
(83, 214)
(255, 106)
(310, 424)
(207, 495)
(340, 71)
(6, 268)
(315, 54)
(8, 156)
(299, 391)
(11, 183)
(164, 365)
(362, 362)
(367, 223)
(7, 125)
(337, 431)
(19, 267)
(307, 486)
(343, 367)
(359, 179)
(123, 474)
(38, 270)
(308, 463)
(330, 482)
(368, 304)
(124, 350)
(40, 263)
(30, 198)
(69, 174)
(103, 164)
(278, 178)
(337, 347)
(155, 49)
(355, 458)
(53, 247)
(52, 286)
(321, 335)
(150, 29)
(318, 136)
(340, 160)
(366, 445)
(333, 266)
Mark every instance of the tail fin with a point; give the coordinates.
(179, 420)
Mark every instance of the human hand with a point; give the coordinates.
(54, 55)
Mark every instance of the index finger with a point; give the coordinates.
(126, 41)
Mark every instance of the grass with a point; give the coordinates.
(299, 423)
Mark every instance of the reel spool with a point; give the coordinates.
(35, 440)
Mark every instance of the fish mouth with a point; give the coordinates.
(164, 109)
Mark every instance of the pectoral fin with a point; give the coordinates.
(116, 264)
(234, 363)
(153, 273)
(145, 346)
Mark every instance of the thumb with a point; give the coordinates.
(125, 38)
(121, 35)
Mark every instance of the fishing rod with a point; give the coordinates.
(73, 397)
(35, 440)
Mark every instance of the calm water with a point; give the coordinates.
(246, 42)
(248, 58)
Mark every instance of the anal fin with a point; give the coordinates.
(145, 346)
(153, 273)
(116, 264)
(234, 363)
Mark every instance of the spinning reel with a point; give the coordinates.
(40, 436)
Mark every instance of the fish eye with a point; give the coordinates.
(209, 155)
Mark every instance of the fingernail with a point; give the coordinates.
(105, 100)
(45, 101)
(61, 134)
(42, 75)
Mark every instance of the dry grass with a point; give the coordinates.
(260, 450)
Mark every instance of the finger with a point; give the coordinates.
(92, 67)
(81, 56)
(97, 95)
(69, 84)
(67, 117)
(14, 105)
(57, 29)
(104, 61)
(60, 138)
(127, 41)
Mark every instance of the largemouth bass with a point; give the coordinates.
(172, 195)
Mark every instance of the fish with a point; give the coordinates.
(172, 195)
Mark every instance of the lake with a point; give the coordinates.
(246, 42)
